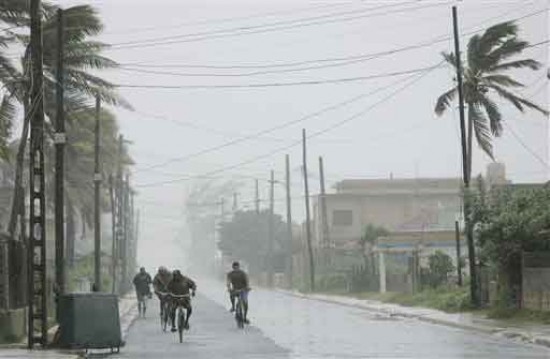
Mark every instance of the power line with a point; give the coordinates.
(208, 35)
(279, 84)
(269, 154)
(272, 129)
(436, 40)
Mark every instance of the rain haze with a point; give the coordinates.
(221, 91)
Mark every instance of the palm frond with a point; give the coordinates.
(509, 48)
(481, 129)
(495, 117)
(496, 35)
(449, 58)
(519, 102)
(473, 54)
(517, 64)
(502, 80)
(444, 101)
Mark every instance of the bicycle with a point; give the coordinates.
(181, 312)
(164, 310)
(239, 308)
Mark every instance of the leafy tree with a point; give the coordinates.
(488, 59)
(371, 234)
(510, 222)
(440, 266)
(246, 238)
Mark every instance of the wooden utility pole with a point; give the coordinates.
(474, 292)
(97, 204)
(59, 140)
(257, 198)
(324, 214)
(113, 234)
(270, 225)
(458, 254)
(37, 290)
(308, 221)
(119, 195)
(125, 231)
(289, 220)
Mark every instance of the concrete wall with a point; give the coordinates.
(12, 325)
(536, 289)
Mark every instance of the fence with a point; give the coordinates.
(536, 281)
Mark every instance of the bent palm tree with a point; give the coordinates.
(81, 55)
(489, 56)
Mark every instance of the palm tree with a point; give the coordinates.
(81, 55)
(488, 59)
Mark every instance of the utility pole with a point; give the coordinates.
(37, 291)
(308, 221)
(257, 201)
(289, 221)
(119, 213)
(458, 255)
(59, 140)
(324, 215)
(97, 189)
(270, 261)
(474, 292)
(125, 240)
(113, 234)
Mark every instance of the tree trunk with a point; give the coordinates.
(70, 234)
(18, 200)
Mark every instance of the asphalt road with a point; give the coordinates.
(284, 326)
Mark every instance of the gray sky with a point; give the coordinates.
(399, 134)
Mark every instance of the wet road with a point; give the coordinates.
(213, 334)
(288, 327)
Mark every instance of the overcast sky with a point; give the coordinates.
(386, 125)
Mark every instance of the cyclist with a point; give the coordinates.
(237, 283)
(142, 281)
(160, 284)
(181, 285)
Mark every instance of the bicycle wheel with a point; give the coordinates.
(181, 323)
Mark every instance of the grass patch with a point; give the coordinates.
(445, 299)
(519, 316)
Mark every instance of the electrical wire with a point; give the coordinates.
(280, 84)
(269, 154)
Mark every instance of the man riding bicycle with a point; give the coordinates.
(160, 285)
(181, 285)
(237, 284)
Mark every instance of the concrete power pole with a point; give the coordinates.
(289, 221)
(308, 220)
(119, 213)
(37, 290)
(474, 292)
(270, 261)
(97, 204)
(59, 140)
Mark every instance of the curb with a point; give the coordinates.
(510, 334)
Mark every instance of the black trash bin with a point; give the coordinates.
(89, 321)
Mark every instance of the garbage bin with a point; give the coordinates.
(89, 321)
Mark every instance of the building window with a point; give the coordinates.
(342, 218)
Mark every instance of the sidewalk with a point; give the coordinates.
(127, 308)
(530, 333)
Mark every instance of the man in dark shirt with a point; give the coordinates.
(237, 284)
(181, 285)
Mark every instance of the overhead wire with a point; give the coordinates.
(318, 133)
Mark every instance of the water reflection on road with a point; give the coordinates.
(315, 329)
